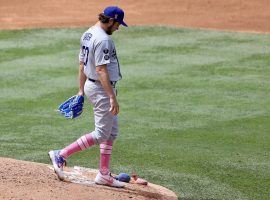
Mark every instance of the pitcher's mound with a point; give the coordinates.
(28, 180)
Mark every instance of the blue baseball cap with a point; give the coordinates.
(115, 13)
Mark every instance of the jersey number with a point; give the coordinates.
(85, 53)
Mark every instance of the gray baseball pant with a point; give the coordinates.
(106, 124)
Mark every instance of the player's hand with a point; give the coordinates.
(114, 106)
(80, 93)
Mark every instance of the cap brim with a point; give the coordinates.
(124, 24)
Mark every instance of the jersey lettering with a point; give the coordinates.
(87, 36)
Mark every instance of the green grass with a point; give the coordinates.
(194, 106)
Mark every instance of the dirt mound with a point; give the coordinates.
(36, 181)
(230, 14)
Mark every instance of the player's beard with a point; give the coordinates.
(109, 29)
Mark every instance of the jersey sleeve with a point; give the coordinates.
(81, 53)
(102, 53)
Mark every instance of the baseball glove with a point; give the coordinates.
(72, 108)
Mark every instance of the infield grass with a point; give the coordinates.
(194, 106)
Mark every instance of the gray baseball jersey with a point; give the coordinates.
(97, 48)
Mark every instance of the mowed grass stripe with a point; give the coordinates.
(194, 106)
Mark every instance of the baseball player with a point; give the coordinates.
(99, 71)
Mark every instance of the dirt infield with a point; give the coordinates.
(27, 180)
(241, 15)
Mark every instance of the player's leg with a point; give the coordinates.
(104, 176)
(106, 129)
(103, 123)
(58, 157)
(86, 141)
(106, 148)
(80, 144)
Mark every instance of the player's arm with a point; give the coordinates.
(81, 78)
(103, 76)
